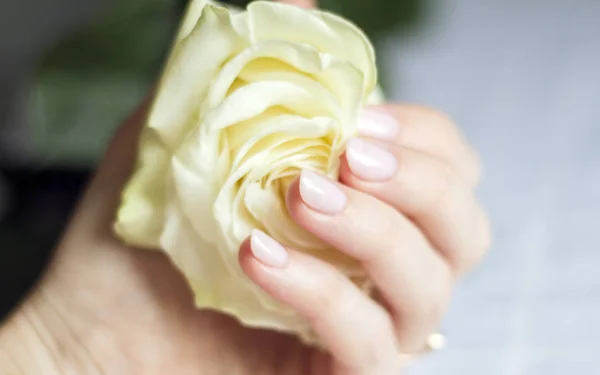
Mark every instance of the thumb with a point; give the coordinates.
(96, 210)
(300, 3)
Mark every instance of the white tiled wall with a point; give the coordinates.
(523, 80)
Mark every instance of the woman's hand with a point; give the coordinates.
(404, 206)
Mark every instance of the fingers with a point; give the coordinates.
(329, 302)
(425, 130)
(427, 190)
(301, 3)
(414, 280)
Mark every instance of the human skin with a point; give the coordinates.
(104, 308)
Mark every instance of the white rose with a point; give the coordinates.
(247, 100)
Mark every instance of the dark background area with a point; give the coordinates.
(68, 50)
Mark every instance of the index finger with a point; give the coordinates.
(422, 129)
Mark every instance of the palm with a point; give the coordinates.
(133, 311)
(142, 312)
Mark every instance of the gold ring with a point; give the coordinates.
(435, 343)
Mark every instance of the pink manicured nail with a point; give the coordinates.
(369, 161)
(321, 194)
(267, 250)
(377, 124)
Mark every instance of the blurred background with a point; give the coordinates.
(521, 77)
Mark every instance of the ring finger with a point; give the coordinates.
(427, 190)
(414, 280)
(329, 302)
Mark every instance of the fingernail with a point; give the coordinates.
(369, 161)
(377, 124)
(320, 193)
(267, 250)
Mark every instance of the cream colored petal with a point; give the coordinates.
(253, 99)
(194, 62)
(341, 78)
(283, 128)
(319, 92)
(185, 248)
(231, 126)
(198, 192)
(377, 96)
(266, 204)
(193, 13)
(214, 286)
(345, 116)
(225, 212)
(324, 31)
(255, 167)
(140, 217)
(198, 164)
(191, 17)
(356, 47)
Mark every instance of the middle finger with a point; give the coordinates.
(426, 189)
(414, 280)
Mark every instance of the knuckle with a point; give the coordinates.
(434, 117)
(378, 332)
(439, 295)
(484, 240)
(480, 246)
(447, 185)
(476, 169)
(432, 305)
(330, 298)
(444, 135)
(381, 327)
(384, 234)
(417, 322)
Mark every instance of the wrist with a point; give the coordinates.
(25, 345)
(37, 340)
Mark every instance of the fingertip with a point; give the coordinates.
(307, 4)
(346, 176)
(252, 267)
(294, 199)
(263, 248)
(245, 257)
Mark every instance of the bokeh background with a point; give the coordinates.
(521, 77)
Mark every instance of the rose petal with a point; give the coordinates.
(141, 216)
(186, 78)
(324, 31)
(247, 101)
(255, 98)
(214, 286)
(341, 78)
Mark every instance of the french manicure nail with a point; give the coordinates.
(267, 250)
(369, 161)
(377, 124)
(321, 194)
